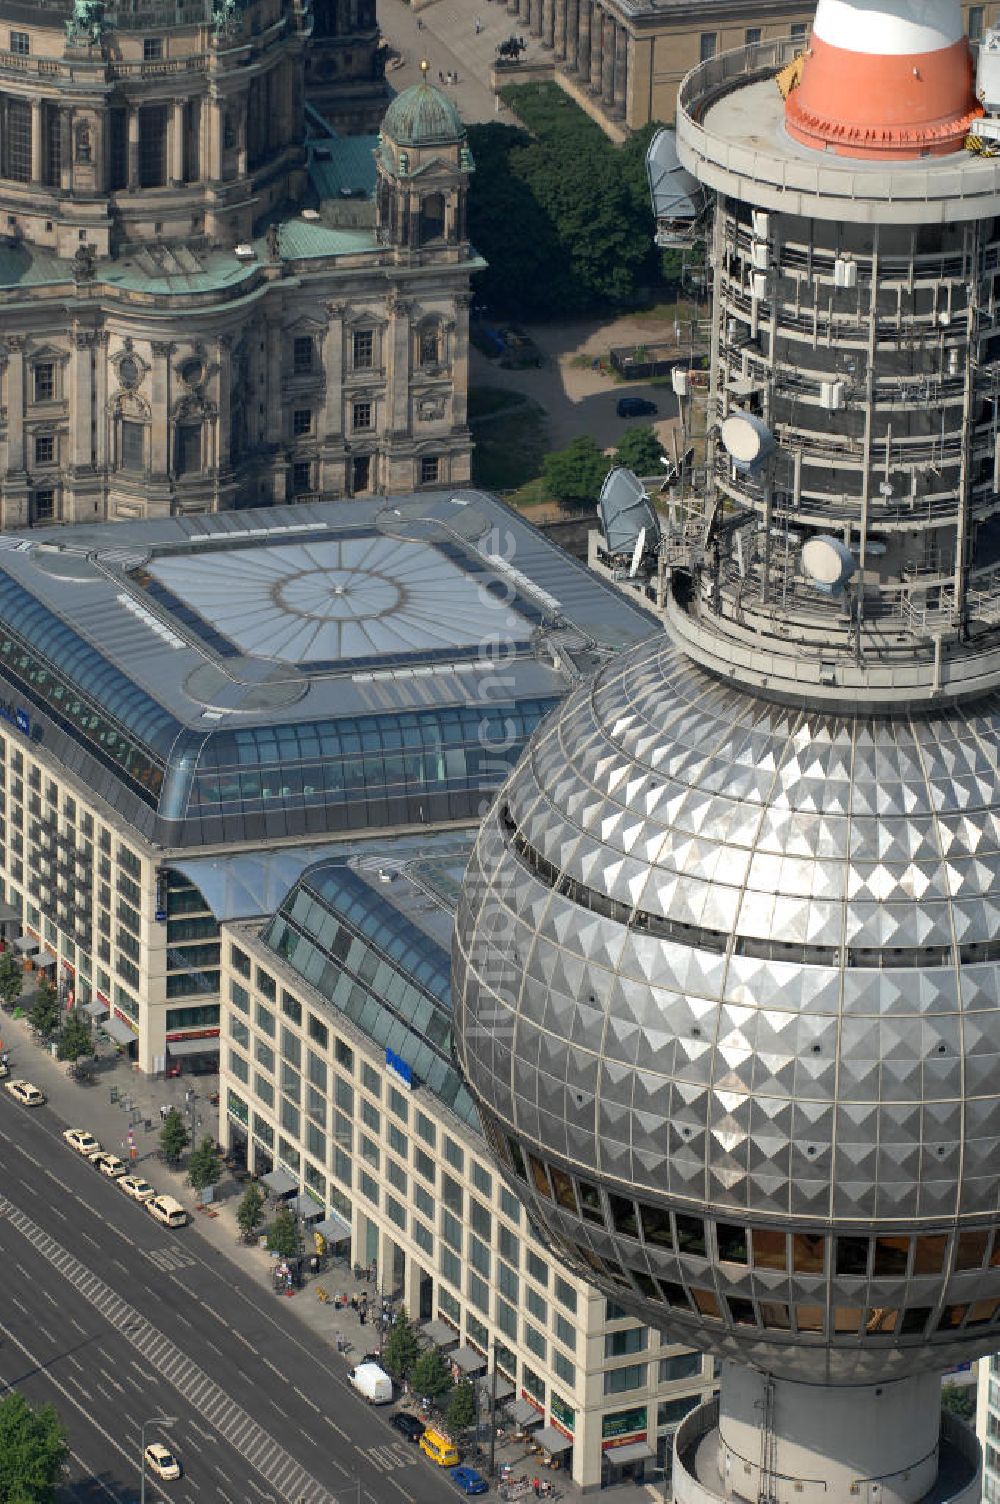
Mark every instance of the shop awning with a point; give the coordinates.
(467, 1359)
(524, 1414)
(96, 1009)
(632, 1451)
(505, 1389)
(179, 1047)
(118, 1030)
(334, 1228)
(280, 1183)
(552, 1441)
(305, 1207)
(439, 1332)
(9, 912)
(45, 962)
(26, 944)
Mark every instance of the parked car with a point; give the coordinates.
(636, 407)
(439, 1447)
(468, 1480)
(167, 1211)
(109, 1164)
(161, 1461)
(83, 1142)
(407, 1425)
(25, 1093)
(137, 1188)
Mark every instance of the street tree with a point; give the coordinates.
(44, 1012)
(11, 978)
(173, 1137)
(33, 1451)
(75, 1039)
(574, 475)
(284, 1236)
(430, 1375)
(641, 451)
(461, 1412)
(401, 1349)
(204, 1165)
(250, 1213)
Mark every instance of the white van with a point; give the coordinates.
(168, 1211)
(373, 1382)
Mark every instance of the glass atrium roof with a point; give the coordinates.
(248, 677)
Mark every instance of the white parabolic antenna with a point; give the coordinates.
(747, 439)
(640, 544)
(827, 560)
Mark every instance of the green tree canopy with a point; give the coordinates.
(33, 1451)
(173, 1137)
(283, 1235)
(461, 1412)
(960, 1399)
(75, 1039)
(250, 1212)
(44, 1012)
(401, 1349)
(641, 451)
(430, 1375)
(11, 978)
(204, 1165)
(574, 475)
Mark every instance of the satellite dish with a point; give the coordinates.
(828, 562)
(747, 440)
(640, 544)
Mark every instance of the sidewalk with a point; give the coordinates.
(136, 1111)
(444, 32)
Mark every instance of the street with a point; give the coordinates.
(116, 1320)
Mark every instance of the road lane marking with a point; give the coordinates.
(311, 1403)
(90, 1478)
(259, 1448)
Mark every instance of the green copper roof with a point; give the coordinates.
(422, 116)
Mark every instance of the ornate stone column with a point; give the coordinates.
(583, 40)
(159, 426)
(607, 79)
(524, 10)
(37, 141)
(216, 126)
(622, 72)
(101, 400)
(241, 136)
(596, 47)
(81, 399)
(560, 30)
(15, 405)
(331, 435)
(133, 147)
(177, 144)
(536, 18)
(397, 375)
(66, 149)
(548, 23)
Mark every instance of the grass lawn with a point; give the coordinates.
(511, 436)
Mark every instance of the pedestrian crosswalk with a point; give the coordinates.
(277, 1467)
(389, 1459)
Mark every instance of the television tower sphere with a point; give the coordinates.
(727, 963)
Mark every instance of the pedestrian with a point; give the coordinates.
(362, 1316)
(420, 24)
(537, 1485)
(479, 26)
(440, 77)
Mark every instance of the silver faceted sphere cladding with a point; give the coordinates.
(726, 990)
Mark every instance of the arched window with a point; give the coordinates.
(432, 218)
(429, 345)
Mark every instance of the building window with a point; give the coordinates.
(152, 49)
(430, 346)
(429, 468)
(153, 145)
(303, 353)
(798, 31)
(432, 218)
(752, 36)
(623, 1380)
(301, 477)
(20, 42)
(133, 445)
(45, 446)
(44, 508)
(364, 349)
(975, 24)
(707, 45)
(18, 144)
(187, 449)
(45, 381)
(362, 416)
(302, 421)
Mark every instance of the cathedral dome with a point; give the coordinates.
(726, 989)
(422, 116)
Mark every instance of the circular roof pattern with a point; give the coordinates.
(337, 600)
(725, 965)
(422, 116)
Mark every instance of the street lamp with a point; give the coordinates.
(155, 1420)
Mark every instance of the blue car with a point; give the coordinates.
(468, 1480)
